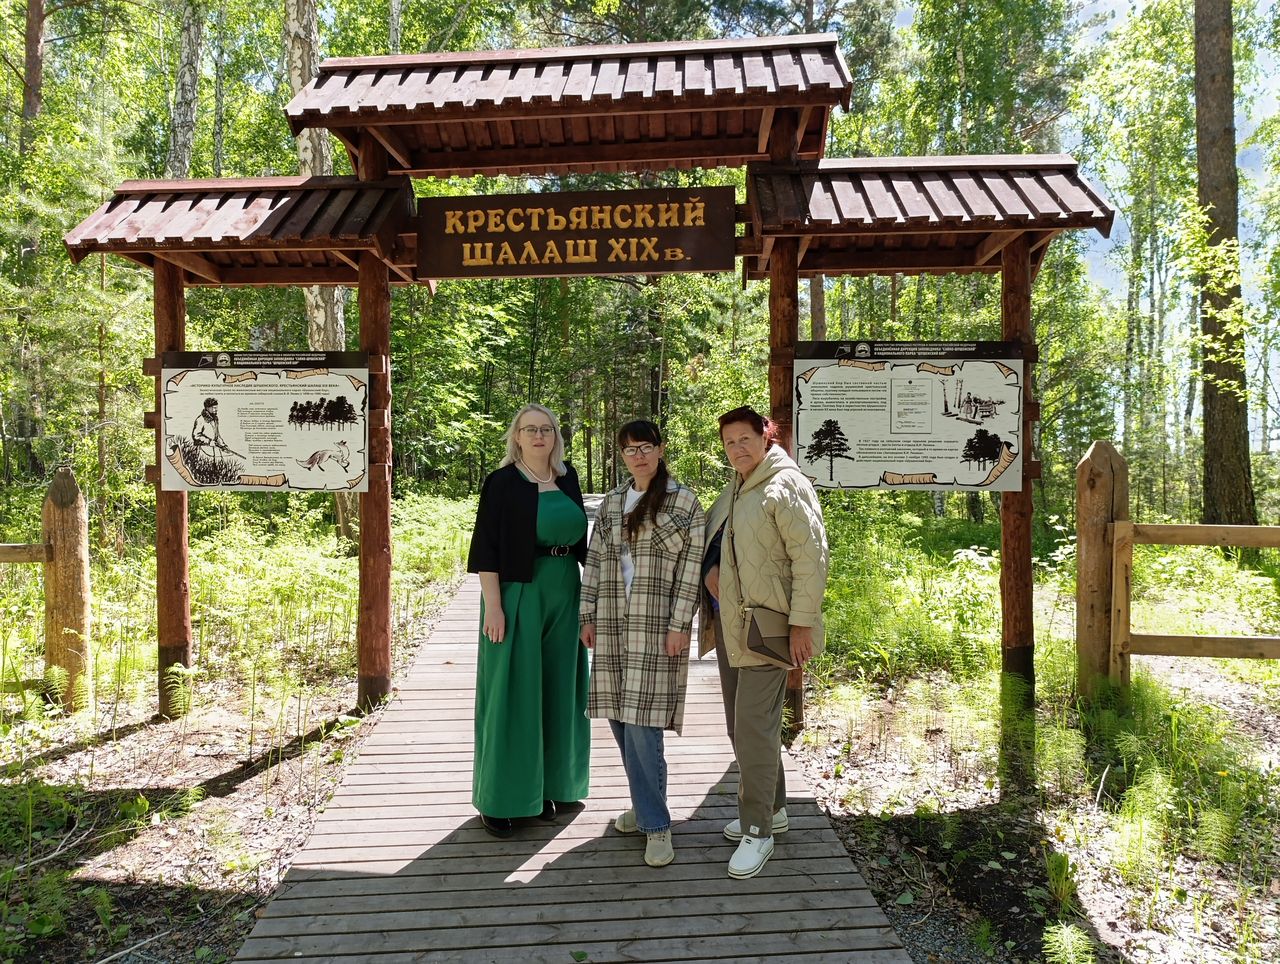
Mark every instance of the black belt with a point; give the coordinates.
(552, 550)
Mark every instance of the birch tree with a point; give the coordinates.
(186, 92)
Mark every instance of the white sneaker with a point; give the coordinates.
(626, 822)
(733, 829)
(752, 854)
(658, 851)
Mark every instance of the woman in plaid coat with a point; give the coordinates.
(640, 590)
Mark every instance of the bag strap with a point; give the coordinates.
(731, 537)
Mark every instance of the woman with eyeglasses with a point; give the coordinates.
(532, 736)
(766, 546)
(640, 591)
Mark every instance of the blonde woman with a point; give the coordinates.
(532, 736)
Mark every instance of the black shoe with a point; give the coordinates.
(498, 826)
(548, 814)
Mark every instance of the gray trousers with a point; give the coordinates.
(753, 700)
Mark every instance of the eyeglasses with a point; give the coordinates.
(532, 430)
(644, 448)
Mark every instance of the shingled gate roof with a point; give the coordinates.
(914, 215)
(559, 110)
(260, 231)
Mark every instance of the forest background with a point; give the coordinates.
(95, 92)
(115, 89)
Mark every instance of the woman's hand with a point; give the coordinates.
(712, 582)
(676, 643)
(588, 635)
(495, 623)
(801, 645)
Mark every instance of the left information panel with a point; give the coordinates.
(265, 421)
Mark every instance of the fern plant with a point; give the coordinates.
(1068, 944)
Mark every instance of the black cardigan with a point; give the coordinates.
(506, 523)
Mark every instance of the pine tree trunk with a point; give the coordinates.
(186, 94)
(1228, 481)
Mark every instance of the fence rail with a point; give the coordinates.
(1104, 576)
(26, 552)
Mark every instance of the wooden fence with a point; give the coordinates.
(1104, 576)
(65, 555)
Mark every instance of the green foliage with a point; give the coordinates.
(1067, 944)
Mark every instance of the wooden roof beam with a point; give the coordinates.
(394, 144)
(993, 244)
(198, 265)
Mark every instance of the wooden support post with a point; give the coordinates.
(1017, 635)
(67, 643)
(784, 324)
(373, 629)
(373, 625)
(1102, 497)
(173, 586)
(1121, 594)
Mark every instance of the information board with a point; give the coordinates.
(909, 415)
(265, 421)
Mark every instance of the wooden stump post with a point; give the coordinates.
(67, 643)
(1102, 497)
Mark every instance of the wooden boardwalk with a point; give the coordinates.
(399, 869)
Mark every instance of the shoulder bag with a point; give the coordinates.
(768, 631)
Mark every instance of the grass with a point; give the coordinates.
(273, 602)
(1156, 789)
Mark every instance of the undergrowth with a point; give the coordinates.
(273, 602)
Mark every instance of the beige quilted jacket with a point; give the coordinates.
(781, 546)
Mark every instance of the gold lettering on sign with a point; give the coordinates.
(477, 254)
(453, 222)
(621, 211)
(695, 213)
(581, 252)
(669, 215)
(475, 220)
(552, 254)
(602, 216)
(515, 220)
(555, 221)
(505, 255)
(644, 215)
(675, 254)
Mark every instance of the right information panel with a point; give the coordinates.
(909, 415)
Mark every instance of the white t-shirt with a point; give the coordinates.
(629, 503)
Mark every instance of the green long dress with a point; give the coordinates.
(533, 738)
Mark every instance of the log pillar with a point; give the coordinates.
(67, 643)
(1102, 497)
(784, 322)
(373, 626)
(1017, 636)
(173, 586)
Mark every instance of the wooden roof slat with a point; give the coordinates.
(1041, 203)
(915, 206)
(755, 75)
(725, 74)
(971, 194)
(667, 78)
(333, 210)
(851, 202)
(608, 74)
(580, 83)
(637, 78)
(697, 77)
(786, 68)
(1003, 194)
(818, 200)
(883, 203)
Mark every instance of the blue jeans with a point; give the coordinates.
(646, 766)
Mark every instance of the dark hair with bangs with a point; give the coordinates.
(638, 432)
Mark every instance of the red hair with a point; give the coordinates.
(759, 424)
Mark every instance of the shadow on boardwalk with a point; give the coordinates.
(399, 869)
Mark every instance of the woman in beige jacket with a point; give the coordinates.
(767, 546)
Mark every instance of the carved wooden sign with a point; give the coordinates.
(576, 233)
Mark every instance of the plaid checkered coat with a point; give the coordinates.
(633, 680)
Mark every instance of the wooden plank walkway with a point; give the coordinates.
(398, 868)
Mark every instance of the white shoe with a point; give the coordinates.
(733, 829)
(752, 854)
(658, 851)
(626, 822)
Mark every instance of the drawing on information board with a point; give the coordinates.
(910, 414)
(267, 421)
